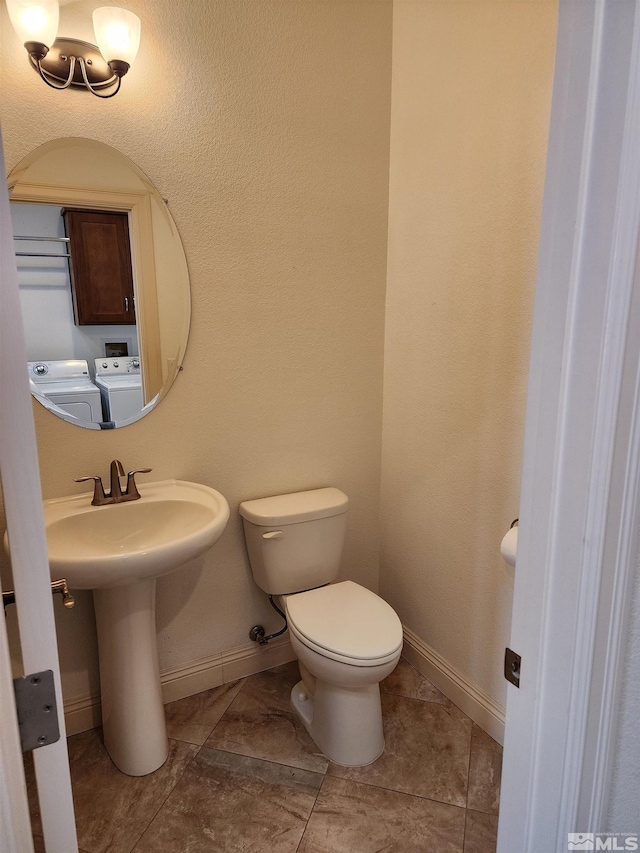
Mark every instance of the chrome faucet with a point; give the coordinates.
(115, 495)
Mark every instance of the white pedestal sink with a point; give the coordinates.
(118, 551)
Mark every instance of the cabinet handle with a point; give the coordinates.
(126, 304)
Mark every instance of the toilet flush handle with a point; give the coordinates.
(273, 534)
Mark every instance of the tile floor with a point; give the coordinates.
(243, 776)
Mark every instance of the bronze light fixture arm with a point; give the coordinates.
(64, 62)
(67, 83)
(69, 66)
(37, 52)
(83, 68)
(69, 79)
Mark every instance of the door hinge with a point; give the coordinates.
(512, 663)
(37, 710)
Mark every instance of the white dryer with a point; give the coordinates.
(67, 384)
(120, 383)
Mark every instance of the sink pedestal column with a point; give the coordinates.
(135, 733)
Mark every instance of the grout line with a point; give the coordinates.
(229, 706)
(171, 790)
(395, 791)
(482, 811)
(464, 833)
(257, 757)
(446, 705)
(424, 678)
(315, 802)
(213, 728)
(469, 767)
(267, 760)
(424, 701)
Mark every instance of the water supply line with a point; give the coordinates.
(257, 633)
(61, 587)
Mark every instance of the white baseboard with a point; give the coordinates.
(84, 712)
(477, 704)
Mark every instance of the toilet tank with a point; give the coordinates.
(295, 541)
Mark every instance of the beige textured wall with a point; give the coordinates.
(470, 106)
(266, 125)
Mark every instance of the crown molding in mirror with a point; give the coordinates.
(83, 173)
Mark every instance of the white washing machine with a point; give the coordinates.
(120, 383)
(67, 384)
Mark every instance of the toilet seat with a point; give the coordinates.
(345, 622)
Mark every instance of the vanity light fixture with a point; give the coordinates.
(64, 62)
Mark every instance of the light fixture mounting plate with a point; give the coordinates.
(57, 62)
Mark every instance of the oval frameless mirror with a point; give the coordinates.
(104, 284)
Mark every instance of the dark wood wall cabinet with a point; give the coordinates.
(101, 274)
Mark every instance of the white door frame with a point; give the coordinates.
(581, 470)
(15, 825)
(25, 522)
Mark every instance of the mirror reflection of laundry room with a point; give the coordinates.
(83, 355)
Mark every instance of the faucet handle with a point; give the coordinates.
(99, 498)
(132, 492)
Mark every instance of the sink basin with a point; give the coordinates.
(96, 547)
(118, 551)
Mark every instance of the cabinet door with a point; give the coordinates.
(101, 276)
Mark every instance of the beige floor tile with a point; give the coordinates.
(193, 719)
(254, 785)
(261, 723)
(426, 751)
(485, 769)
(232, 803)
(407, 681)
(352, 818)
(112, 809)
(481, 832)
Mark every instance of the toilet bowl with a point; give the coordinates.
(346, 638)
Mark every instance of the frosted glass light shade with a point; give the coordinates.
(35, 20)
(117, 33)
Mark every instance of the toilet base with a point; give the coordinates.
(345, 723)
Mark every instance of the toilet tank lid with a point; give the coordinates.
(296, 507)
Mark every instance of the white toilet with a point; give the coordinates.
(347, 639)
